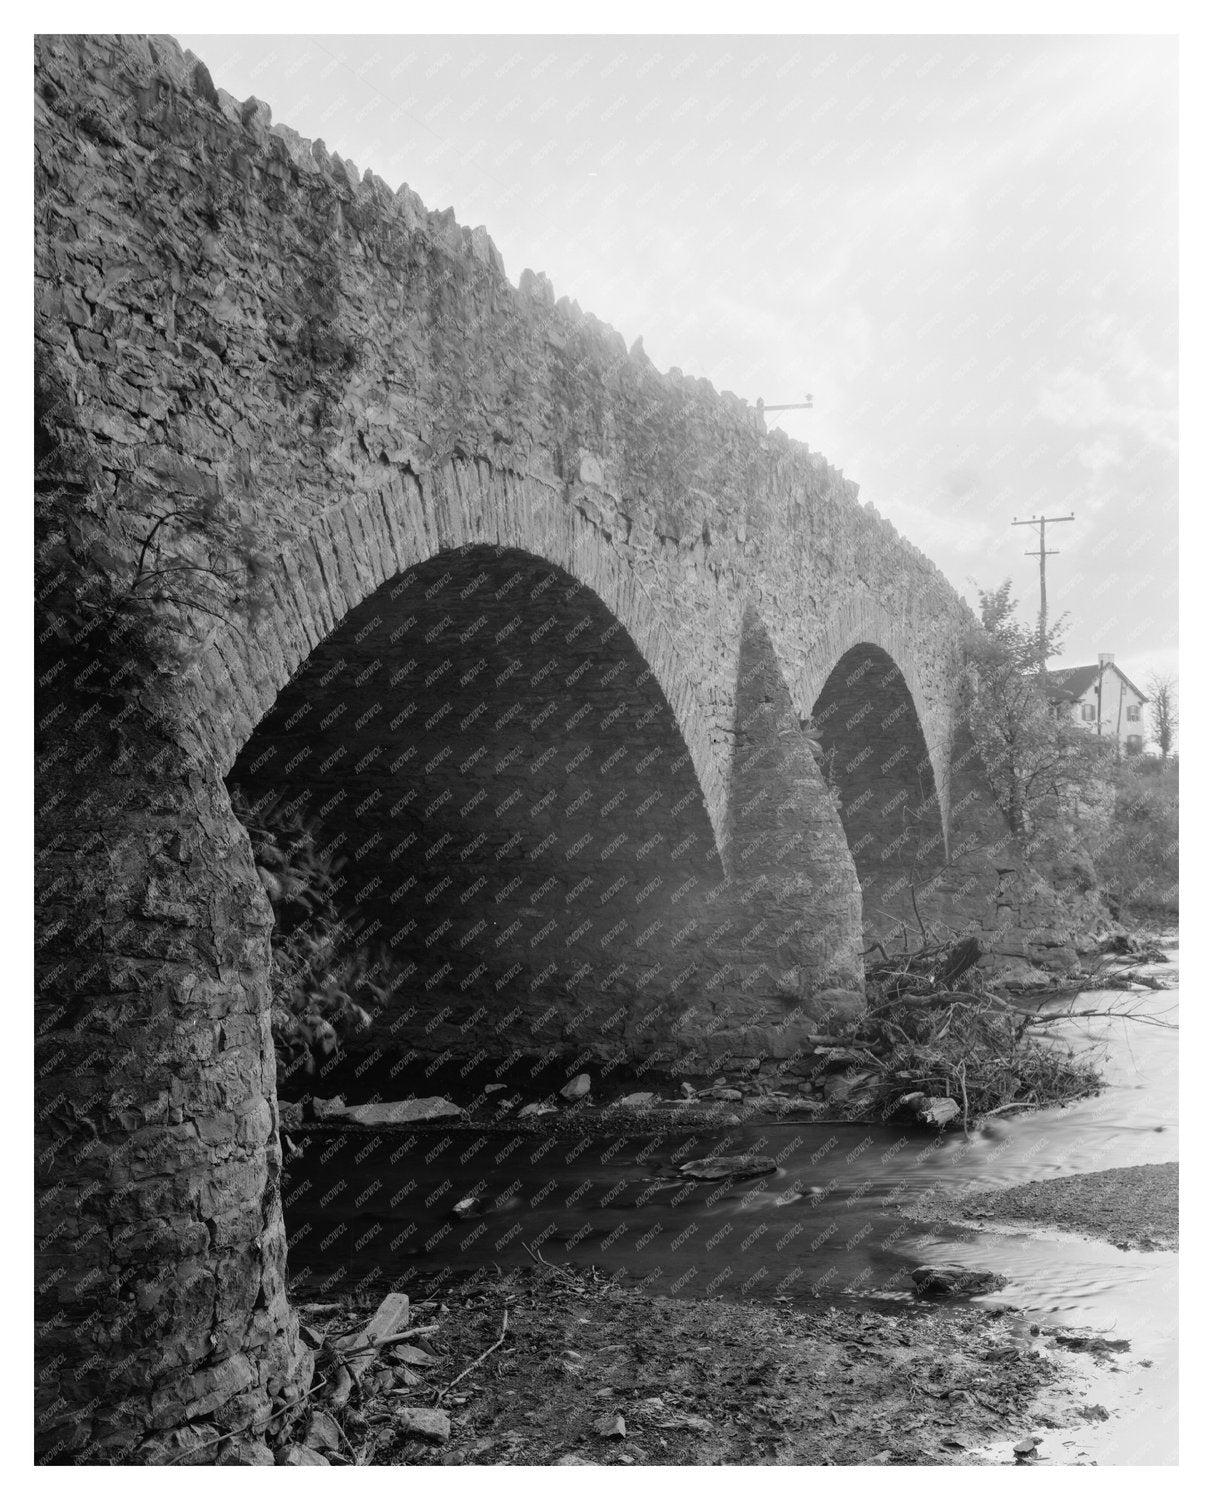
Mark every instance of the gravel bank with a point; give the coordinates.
(1133, 1207)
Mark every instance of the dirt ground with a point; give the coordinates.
(695, 1382)
(1136, 1208)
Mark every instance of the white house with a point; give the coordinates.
(1102, 699)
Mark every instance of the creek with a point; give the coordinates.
(366, 1211)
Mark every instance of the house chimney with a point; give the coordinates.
(1106, 658)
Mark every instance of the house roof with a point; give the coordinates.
(1073, 682)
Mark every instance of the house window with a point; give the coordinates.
(1133, 713)
(1133, 744)
(1088, 713)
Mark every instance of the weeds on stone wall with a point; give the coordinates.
(326, 984)
(120, 587)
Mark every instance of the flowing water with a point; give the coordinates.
(368, 1210)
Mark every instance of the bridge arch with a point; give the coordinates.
(863, 620)
(372, 536)
(877, 760)
(521, 828)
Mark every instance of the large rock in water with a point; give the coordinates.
(714, 1168)
(954, 1281)
(401, 1111)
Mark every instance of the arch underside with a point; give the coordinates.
(485, 750)
(876, 758)
(374, 536)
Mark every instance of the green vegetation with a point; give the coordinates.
(1041, 769)
(1091, 820)
(1137, 853)
(327, 985)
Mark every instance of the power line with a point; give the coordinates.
(1042, 553)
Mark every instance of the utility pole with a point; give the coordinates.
(762, 408)
(789, 406)
(1042, 553)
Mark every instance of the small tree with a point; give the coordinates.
(1164, 712)
(1034, 760)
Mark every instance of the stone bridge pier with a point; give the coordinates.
(630, 724)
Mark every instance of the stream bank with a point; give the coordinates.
(805, 1256)
(591, 1372)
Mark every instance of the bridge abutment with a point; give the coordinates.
(161, 1307)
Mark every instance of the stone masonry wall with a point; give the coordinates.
(347, 387)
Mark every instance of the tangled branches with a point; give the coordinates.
(938, 1030)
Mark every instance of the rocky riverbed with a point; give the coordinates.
(776, 1318)
(589, 1372)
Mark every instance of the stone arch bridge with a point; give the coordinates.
(626, 717)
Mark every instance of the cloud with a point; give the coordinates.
(1116, 388)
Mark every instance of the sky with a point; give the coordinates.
(964, 247)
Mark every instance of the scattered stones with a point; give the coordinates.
(577, 1088)
(713, 1168)
(688, 1090)
(406, 1355)
(954, 1281)
(297, 1456)
(930, 1110)
(1090, 1343)
(533, 1111)
(328, 1109)
(1026, 1448)
(843, 1085)
(468, 1208)
(402, 1111)
(611, 1427)
(428, 1422)
(636, 1101)
(249, 1453)
(323, 1432)
(390, 1317)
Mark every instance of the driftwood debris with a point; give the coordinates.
(356, 1352)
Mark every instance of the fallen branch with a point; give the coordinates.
(538, 1258)
(964, 1094)
(344, 1352)
(505, 1323)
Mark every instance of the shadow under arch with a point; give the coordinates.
(484, 745)
(368, 539)
(877, 759)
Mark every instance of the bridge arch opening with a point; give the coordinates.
(513, 825)
(875, 758)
